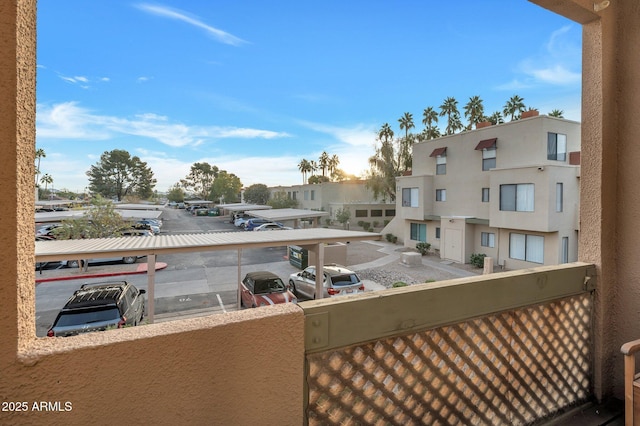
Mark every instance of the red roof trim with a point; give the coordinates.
(487, 143)
(439, 151)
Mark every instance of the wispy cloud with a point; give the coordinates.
(357, 135)
(70, 121)
(166, 12)
(558, 64)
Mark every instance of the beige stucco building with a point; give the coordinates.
(510, 191)
(200, 371)
(333, 196)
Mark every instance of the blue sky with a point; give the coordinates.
(253, 87)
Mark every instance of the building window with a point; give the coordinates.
(361, 213)
(485, 195)
(390, 212)
(437, 233)
(488, 159)
(313, 194)
(376, 213)
(306, 195)
(556, 147)
(565, 250)
(409, 197)
(419, 232)
(559, 197)
(441, 165)
(517, 198)
(526, 247)
(441, 195)
(487, 239)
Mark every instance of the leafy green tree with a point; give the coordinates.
(118, 174)
(449, 108)
(383, 166)
(257, 193)
(176, 194)
(314, 180)
(558, 113)
(474, 111)
(514, 107)
(101, 220)
(200, 179)
(343, 215)
(226, 187)
(280, 200)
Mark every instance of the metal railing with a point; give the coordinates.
(507, 348)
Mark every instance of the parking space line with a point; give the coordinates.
(220, 302)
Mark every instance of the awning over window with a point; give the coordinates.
(487, 144)
(438, 152)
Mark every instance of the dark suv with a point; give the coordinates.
(97, 307)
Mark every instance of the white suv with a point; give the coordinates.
(338, 281)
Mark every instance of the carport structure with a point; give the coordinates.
(277, 215)
(313, 239)
(240, 207)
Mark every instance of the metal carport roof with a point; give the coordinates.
(239, 207)
(287, 214)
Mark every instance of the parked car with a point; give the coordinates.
(255, 222)
(146, 226)
(73, 263)
(338, 281)
(47, 230)
(132, 232)
(96, 307)
(263, 288)
(271, 226)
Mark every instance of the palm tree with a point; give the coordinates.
(313, 167)
(333, 164)
(474, 111)
(429, 116)
(450, 108)
(46, 179)
(304, 166)
(406, 123)
(385, 133)
(39, 154)
(323, 161)
(558, 113)
(495, 118)
(514, 107)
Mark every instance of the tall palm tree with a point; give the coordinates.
(313, 167)
(304, 166)
(450, 108)
(429, 116)
(39, 155)
(47, 180)
(558, 113)
(406, 123)
(474, 111)
(514, 107)
(385, 133)
(323, 162)
(333, 164)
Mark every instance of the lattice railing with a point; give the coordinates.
(514, 367)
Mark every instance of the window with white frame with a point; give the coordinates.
(441, 165)
(437, 233)
(409, 197)
(485, 195)
(488, 159)
(559, 197)
(418, 232)
(556, 146)
(517, 197)
(487, 239)
(526, 247)
(441, 195)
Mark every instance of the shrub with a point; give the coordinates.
(399, 284)
(423, 247)
(374, 224)
(477, 260)
(366, 226)
(391, 238)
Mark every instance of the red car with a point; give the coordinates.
(263, 288)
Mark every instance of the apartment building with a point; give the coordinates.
(510, 191)
(334, 196)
